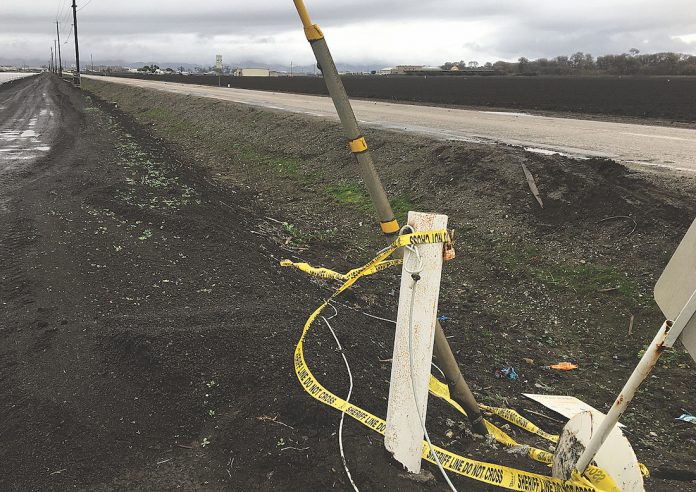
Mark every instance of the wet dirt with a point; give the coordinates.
(148, 330)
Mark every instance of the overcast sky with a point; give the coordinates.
(376, 32)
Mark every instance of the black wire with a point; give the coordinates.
(88, 2)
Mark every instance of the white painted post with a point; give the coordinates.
(403, 436)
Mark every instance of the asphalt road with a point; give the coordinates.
(628, 143)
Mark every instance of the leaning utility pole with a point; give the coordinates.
(459, 389)
(76, 78)
(60, 59)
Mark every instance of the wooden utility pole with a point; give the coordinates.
(55, 56)
(60, 58)
(50, 65)
(76, 78)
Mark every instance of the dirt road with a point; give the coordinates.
(627, 143)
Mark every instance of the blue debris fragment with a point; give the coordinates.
(506, 372)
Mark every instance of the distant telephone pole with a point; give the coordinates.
(76, 78)
(50, 66)
(55, 56)
(60, 58)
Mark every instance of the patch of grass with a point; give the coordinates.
(149, 178)
(354, 195)
(299, 236)
(172, 122)
(585, 279)
(349, 194)
(157, 113)
(282, 165)
(401, 205)
(674, 357)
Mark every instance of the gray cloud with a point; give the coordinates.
(376, 31)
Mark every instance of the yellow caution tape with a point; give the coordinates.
(358, 145)
(598, 477)
(313, 33)
(390, 227)
(490, 473)
(326, 273)
(441, 390)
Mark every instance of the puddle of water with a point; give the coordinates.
(28, 133)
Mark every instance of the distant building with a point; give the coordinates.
(253, 72)
(408, 68)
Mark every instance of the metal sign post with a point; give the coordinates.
(413, 345)
(675, 293)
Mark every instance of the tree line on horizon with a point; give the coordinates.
(631, 63)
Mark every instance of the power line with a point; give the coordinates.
(68, 36)
(62, 10)
(88, 2)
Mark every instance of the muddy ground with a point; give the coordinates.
(148, 330)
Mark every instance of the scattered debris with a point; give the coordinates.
(568, 406)
(296, 449)
(635, 224)
(539, 414)
(506, 372)
(266, 418)
(528, 360)
(532, 185)
(687, 417)
(630, 326)
(424, 476)
(519, 450)
(442, 317)
(562, 366)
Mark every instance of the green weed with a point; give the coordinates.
(585, 279)
(349, 194)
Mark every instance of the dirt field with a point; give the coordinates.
(148, 331)
(669, 99)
